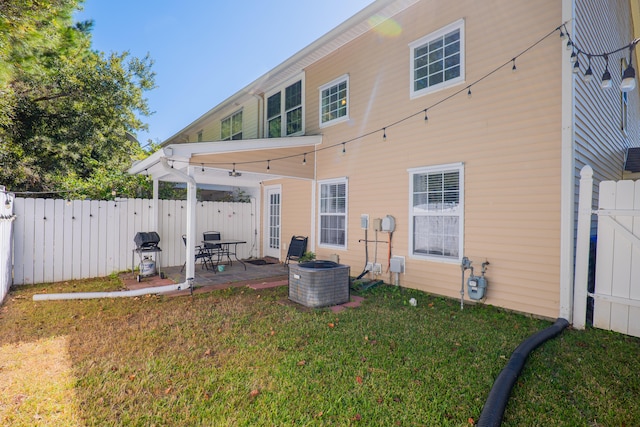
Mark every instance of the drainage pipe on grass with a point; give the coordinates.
(496, 403)
(114, 294)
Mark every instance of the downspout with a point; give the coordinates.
(190, 268)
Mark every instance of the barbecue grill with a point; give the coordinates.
(146, 245)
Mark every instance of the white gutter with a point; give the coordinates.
(190, 267)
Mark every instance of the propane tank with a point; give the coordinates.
(147, 267)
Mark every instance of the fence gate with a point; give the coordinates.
(617, 287)
(616, 295)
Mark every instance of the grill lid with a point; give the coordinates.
(147, 239)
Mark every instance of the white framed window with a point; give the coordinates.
(284, 111)
(333, 213)
(436, 212)
(231, 127)
(334, 101)
(437, 60)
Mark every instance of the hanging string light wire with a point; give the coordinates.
(564, 34)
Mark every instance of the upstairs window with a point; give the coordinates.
(231, 127)
(334, 101)
(437, 60)
(284, 111)
(436, 211)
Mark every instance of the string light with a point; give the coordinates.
(202, 167)
(344, 147)
(629, 75)
(606, 76)
(576, 51)
(588, 74)
(304, 159)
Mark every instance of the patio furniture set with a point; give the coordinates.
(214, 252)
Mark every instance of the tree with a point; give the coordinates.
(68, 112)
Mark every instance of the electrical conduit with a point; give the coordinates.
(493, 409)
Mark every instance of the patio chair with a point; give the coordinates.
(297, 248)
(202, 254)
(215, 250)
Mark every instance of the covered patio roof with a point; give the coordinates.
(254, 161)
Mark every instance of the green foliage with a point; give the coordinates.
(67, 112)
(307, 256)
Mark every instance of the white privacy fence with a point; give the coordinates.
(6, 228)
(616, 297)
(56, 240)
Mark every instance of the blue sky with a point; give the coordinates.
(206, 50)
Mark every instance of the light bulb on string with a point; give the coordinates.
(574, 56)
(606, 76)
(514, 65)
(344, 147)
(304, 159)
(629, 76)
(469, 92)
(576, 67)
(426, 118)
(202, 167)
(569, 44)
(588, 74)
(268, 164)
(384, 134)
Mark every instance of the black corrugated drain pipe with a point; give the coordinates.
(493, 409)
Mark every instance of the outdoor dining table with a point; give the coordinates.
(225, 249)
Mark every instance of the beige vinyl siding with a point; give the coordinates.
(295, 211)
(507, 135)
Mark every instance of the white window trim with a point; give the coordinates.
(228, 117)
(459, 24)
(434, 169)
(344, 180)
(335, 82)
(281, 88)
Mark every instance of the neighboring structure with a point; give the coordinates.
(461, 120)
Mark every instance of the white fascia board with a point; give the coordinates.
(184, 152)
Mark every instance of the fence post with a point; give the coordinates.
(582, 248)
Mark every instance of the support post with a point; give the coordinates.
(582, 248)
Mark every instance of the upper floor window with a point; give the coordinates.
(437, 60)
(436, 211)
(284, 111)
(231, 127)
(334, 101)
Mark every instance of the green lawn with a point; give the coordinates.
(252, 358)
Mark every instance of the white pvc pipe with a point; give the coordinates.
(115, 294)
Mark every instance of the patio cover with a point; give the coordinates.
(256, 160)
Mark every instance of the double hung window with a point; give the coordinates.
(231, 127)
(333, 213)
(436, 211)
(284, 111)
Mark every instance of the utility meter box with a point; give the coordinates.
(477, 285)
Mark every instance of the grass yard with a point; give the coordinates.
(240, 357)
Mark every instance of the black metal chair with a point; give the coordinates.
(297, 248)
(215, 250)
(202, 254)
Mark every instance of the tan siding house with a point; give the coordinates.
(461, 120)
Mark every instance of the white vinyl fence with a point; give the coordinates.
(57, 240)
(616, 297)
(6, 228)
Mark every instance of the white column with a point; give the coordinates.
(582, 248)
